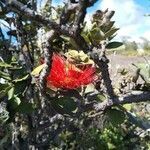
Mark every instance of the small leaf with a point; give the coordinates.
(11, 93)
(37, 70)
(64, 105)
(21, 84)
(111, 146)
(111, 32)
(4, 88)
(86, 38)
(111, 37)
(79, 57)
(115, 116)
(89, 88)
(128, 107)
(15, 68)
(84, 57)
(72, 53)
(5, 65)
(101, 97)
(94, 25)
(107, 27)
(14, 102)
(68, 104)
(5, 75)
(73, 43)
(114, 45)
(97, 34)
(22, 79)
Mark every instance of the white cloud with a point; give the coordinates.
(129, 17)
(147, 35)
(127, 11)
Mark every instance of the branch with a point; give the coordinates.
(102, 61)
(80, 17)
(135, 120)
(55, 119)
(133, 97)
(100, 58)
(22, 9)
(103, 65)
(21, 35)
(83, 5)
(48, 61)
(18, 7)
(67, 12)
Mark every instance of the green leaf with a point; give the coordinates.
(10, 66)
(114, 45)
(21, 84)
(86, 38)
(115, 116)
(25, 108)
(5, 75)
(15, 68)
(64, 105)
(108, 27)
(37, 70)
(94, 25)
(101, 97)
(128, 107)
(22, 79)
(4, 88)
(111, 32)
(89, 88)
(5, 65)
(111, 146)
(14, 102)
(71, 41)
(11, 93)
(111, 37)
(97, 34)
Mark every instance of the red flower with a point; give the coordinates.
(66, 75)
